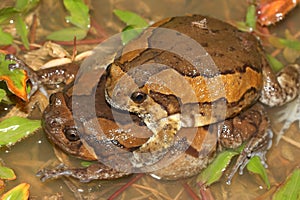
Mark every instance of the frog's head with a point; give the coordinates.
(60, 128)
(144, 90)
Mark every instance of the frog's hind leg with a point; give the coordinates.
(281, 88)
(96, 171)
(251, 127)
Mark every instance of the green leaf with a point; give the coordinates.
(68, 34)
(21, 4)
(20, 192)
(22, 30)
(15, 79)
(134, 22)
(7, 173)
(131, 19)
(215, 170)
(86, 163)
(25, 6)
(2, 94)
(16, 128)
(251, 17)
(242, 26)
(79, 13)
(283, 43)
(293, 44)
(275, 64)
(130, 33)
(5, 38)
(255, 166)
(7, 14)
(290, 190)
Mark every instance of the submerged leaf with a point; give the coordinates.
(15, 79)
(16, 128)
(275, 64)
(255, 166)
(290, 190)
(20, 192)
(7, 173)
(291, 55)
(215, 170)
(68, 34)
(284, 43)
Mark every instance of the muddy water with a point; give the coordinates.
(27, 157)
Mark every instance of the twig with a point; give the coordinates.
(155, 192)
(291, 141)
(81, 42)
(33, 29)
(74, 53)
(124, 187)
(179, 194)
(190, 191)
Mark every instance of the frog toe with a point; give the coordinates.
(46, 174)
(249, 151)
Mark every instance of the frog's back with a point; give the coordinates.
(205, 51)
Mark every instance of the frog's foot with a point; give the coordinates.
(95, 171)
(253, 148)
(159, 144)
(19, 64)
(252, 128)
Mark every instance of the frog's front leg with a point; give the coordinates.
(46, 78)
(281, 88)
(159, 144)
(252, 127)
(96, 171)
(19, 64)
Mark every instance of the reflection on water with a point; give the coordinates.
(27, 157)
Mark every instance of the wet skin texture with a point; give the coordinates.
(156, 112)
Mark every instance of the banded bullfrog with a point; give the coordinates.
(185, 89)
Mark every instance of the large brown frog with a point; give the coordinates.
(221, 111)
(171, 83)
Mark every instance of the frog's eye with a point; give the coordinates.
(138, 97)
(71, 134)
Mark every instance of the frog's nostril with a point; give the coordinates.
(54, 123)
(71, 134)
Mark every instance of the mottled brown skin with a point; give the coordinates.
(58, 121)
(242, 77)
(246, 78)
